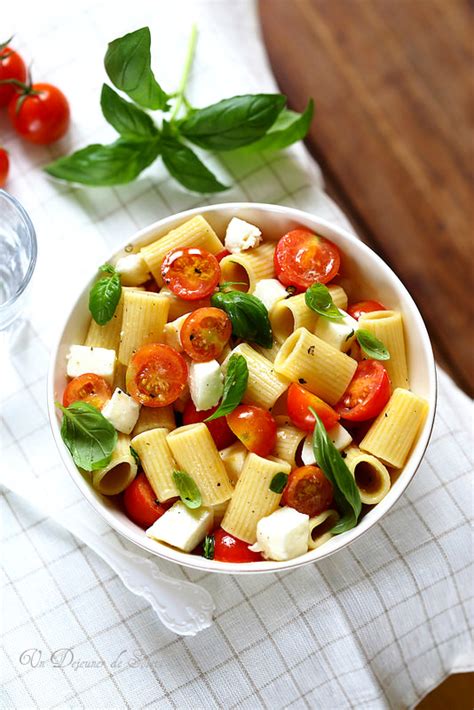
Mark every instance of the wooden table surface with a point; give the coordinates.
(391, 80)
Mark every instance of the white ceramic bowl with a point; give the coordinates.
(364, 274)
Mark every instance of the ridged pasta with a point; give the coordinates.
(288, 440)
(269, 353)
(396, 428)
(339, 296)
(319, 528)
(387, 326)
(119, 473)
(233, 458)
(157, 461)
(108, 335)
(290, 314)
(253, 499)
(249, 267)
(319, 367)
(264, 384)
(155, 418)
(120, 377)
(371, 476)
(144, 316)
(179, 307)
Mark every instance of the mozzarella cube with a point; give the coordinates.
(241, 235)
(338, 333)
(172, 332)
(269, 291)
(132, 269)
(122, 411)
(339, 436)
(83, 358)
(282, 535)
(182, 527)
(206, 384)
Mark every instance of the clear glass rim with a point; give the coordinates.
(33, 248)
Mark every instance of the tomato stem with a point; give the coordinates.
(180, 98)
(5, 44)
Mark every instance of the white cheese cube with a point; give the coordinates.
(269, 291)
(338, 333)
(132, 269)
(206, 384)
(182, 527)
(241, 235)
(172, 332)
(83, 358)
(122, 411)
(339, 436)
(282, 535)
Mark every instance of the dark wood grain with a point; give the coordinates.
(392, 81)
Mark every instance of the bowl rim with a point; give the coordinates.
(268, 566)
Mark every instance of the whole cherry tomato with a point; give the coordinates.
(298, 403)
(191, 273)
(255, 427)
(12, 66)
(4, 166)
(89, 388)
(302, 258)
(205, 333)
(359, 309)
(367, 394)
(157, 375)
(218, 428)
(308, 491)
(40, 113)
(140, 502)
(228, 548)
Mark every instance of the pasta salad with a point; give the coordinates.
(233, 398)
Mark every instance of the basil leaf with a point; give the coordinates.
(235, 384)
(248, 315)
(128, 65)
(279, 482)
(346, 493)
(127, 119)
(113, 164)
(233, 122)
(135, 456)
(187, 489)
(288, 128)
(107, 269)
(208, 547)
(372, 346)
(187, 168)
(319, 299)
(88, 435)
(104, 297)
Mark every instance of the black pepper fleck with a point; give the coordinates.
(301, 381)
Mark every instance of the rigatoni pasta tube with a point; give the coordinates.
(253, 499)
(248, 267)
(155, 418)
(396, 428)
(322, 369)
(195, 232)
(196, 454)
(157, 461)
(264, 384)
(234, 459)
(144, 316)
(288, 440)
(179, 307)
(320, 527)
(371, 476)
(269, 353)
(387, 326)
(108, 335)
(119, 473)
(339, 296)
(290, 314)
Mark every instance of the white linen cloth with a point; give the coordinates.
(374, 626)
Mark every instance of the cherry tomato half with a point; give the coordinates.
(12, 66)
(228, 548)
(367, 394)
(219, 428)
(359, 309)
(303, 258)
(4, 166)
(89, 388)
(140, 502)
(204, 334)
(255, 427)
(298, 403)
(308, 491)
(157, 375)
(40, 114)
(191, 273)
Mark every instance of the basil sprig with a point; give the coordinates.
(248, 316)
(319, 299)
(372, 346)
(346, 493)
(250, 121)
(105, 295)
(88, 435)
(187, 489)
(208, 547)
(278, 482)
(235, 384)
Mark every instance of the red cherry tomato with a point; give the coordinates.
(359, 309)
(228, 548)
(191, 273)
(303, 258)
(255, 427)
(222, 254)
(89, 388)
(140, 502)
(205, 333)
(12, 66)
(157, 375)
(367, 394)
(4, 166)
(219, 428)
(298, 403)
(308, 491)
(40, 114)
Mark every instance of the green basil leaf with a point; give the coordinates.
(233, 122)
(187, 168)
(288, 128)
(235, 384)
(187, 489)
(104, 165)
(208, 547)
(127, 119)
(107, 269)
(104, 297)
(346, 493)
(248, 316)
(279, 482)
(135, 456)
(128, 65)
(372, 346)
(88, 435)
(319, 299)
